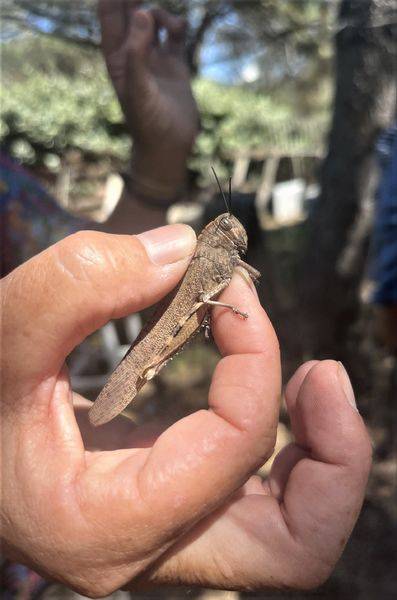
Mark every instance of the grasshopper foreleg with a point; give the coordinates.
(253, 273)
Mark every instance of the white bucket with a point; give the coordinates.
(288, 200)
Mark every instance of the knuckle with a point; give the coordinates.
(78, 240)
(81, 254)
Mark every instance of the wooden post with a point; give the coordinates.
(63, 184)
(240, 170)
(269, 174)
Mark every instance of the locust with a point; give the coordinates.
(220, 247)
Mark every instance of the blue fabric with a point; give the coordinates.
(385, 229)
(30, 219)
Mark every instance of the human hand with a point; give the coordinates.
(183, 509)
(152, 82)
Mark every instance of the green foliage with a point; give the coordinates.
(236, 120)
(60, 98)
(57, 96)
(251, 120)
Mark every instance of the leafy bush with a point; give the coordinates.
(57, 96)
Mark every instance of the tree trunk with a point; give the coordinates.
(364, 104)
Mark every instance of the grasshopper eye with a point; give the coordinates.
(226, 224)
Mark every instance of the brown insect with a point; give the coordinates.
(180, 315)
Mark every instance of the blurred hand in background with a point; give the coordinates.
(145, 55)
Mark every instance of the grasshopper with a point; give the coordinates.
(180, 315)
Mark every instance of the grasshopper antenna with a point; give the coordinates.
(221, 190)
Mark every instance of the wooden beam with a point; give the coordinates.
(269, 174)
(240, 170)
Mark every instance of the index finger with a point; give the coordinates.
(114, 19)
(201, 460)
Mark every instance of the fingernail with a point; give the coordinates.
(169, 244)
(245, 275)
(140, 20)
(347, 387)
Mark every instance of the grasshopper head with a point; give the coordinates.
(226, 228)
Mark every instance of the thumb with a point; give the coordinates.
(52, 302)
